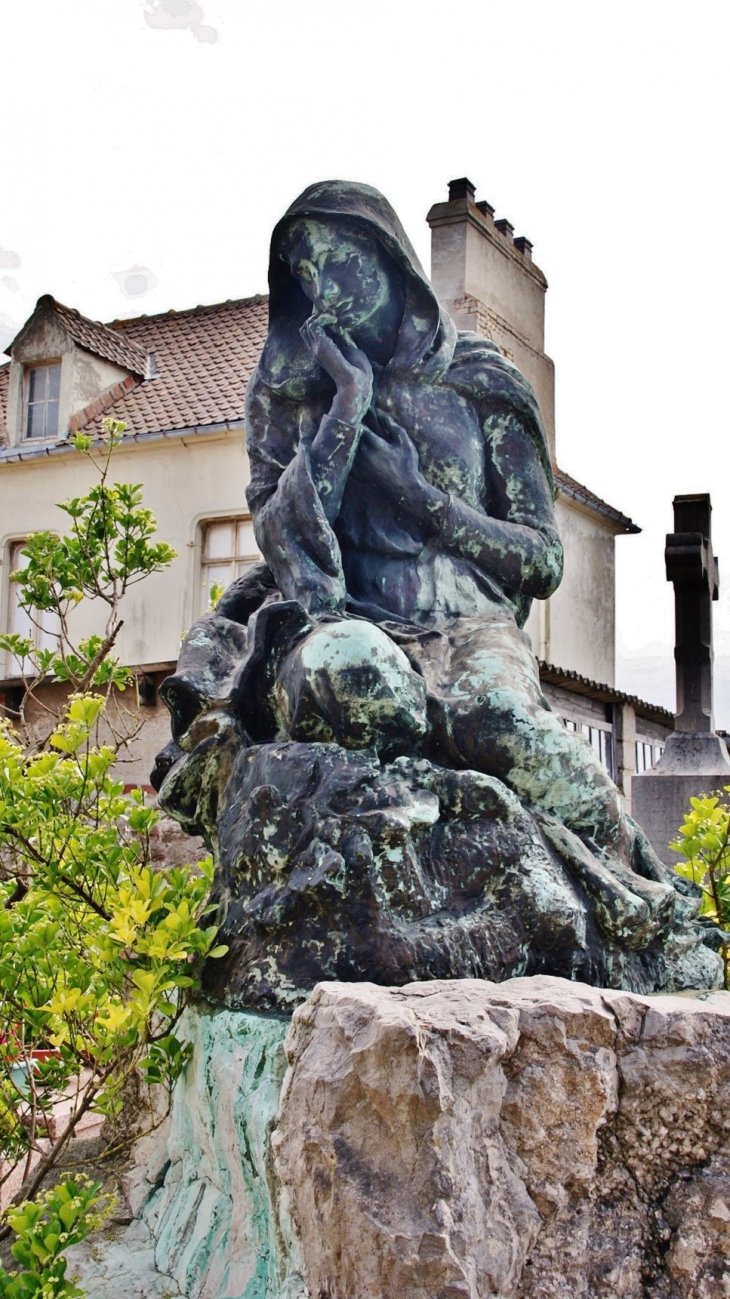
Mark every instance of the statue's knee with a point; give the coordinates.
(348, 682)
(481, 725)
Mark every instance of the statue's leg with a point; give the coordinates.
(348, 682)
(491, 714)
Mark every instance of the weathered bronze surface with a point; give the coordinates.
(358, 729)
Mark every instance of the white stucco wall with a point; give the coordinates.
(184, 481)
(575, 628)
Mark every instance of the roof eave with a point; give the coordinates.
(593, 505)
(580, 685)
(23, 453)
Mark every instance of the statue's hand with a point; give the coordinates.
(391, 464)
(343, 362)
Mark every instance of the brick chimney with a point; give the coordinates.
(488, 282)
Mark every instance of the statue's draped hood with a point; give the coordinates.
(428, 345)
(290, 392)
(427, 335)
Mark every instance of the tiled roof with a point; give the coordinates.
(571, 487)
(102, 340)
(203, 357)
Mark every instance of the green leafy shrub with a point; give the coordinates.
(44, 1229)
(704, 840)
(99, 952)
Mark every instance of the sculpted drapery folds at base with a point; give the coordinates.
(359, 728)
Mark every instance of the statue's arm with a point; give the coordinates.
(331, 455)
(291, 523)
(518, 541)
(274, 435)
(274, 441)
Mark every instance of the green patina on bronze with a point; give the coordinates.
(216, 1218)
(359, 729)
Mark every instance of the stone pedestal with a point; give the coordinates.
(692, 764)
(209, 1216)
(448, 1140)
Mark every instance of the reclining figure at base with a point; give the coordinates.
(359, 728)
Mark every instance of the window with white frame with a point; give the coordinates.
(229, 548)
(648, 754)
(41, 628)
(44, 393)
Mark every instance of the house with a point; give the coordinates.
(178, 381)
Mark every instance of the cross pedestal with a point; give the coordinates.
(695, 760)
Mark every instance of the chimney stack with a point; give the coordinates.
(461, 188)
(487, 281)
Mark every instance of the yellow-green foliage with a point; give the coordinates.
(44, 1229)
(98, 951)
(704, 840)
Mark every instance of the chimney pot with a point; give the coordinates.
(461, 188)
(505, 228)
(486, 209)
(524, 246)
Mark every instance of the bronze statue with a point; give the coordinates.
(359, 728)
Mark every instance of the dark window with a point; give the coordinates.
(600, 740)
(44, 388)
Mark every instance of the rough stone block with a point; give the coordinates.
(525, 1140)
(535, 1139)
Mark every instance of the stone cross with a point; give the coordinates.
(695, 760)
(692, 568)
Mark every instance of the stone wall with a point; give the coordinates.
(449, 1140)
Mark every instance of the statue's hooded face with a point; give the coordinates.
(345, 274)
(341, 249)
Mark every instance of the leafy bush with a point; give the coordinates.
(704, 840)
(99, 952)
(44, 1229)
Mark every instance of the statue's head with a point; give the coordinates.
(341, 251)
(343, 270)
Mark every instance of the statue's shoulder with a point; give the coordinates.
(482, 373)
(474, 354)
(469, 343)
(480, 370)
(478, 366)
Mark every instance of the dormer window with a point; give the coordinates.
(44, 389)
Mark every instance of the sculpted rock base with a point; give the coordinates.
(535, 1139)
(210, 1221)
(337, 864)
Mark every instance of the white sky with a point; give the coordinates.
(133, 147)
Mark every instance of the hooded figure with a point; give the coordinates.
(402, 498)
(443, 406)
